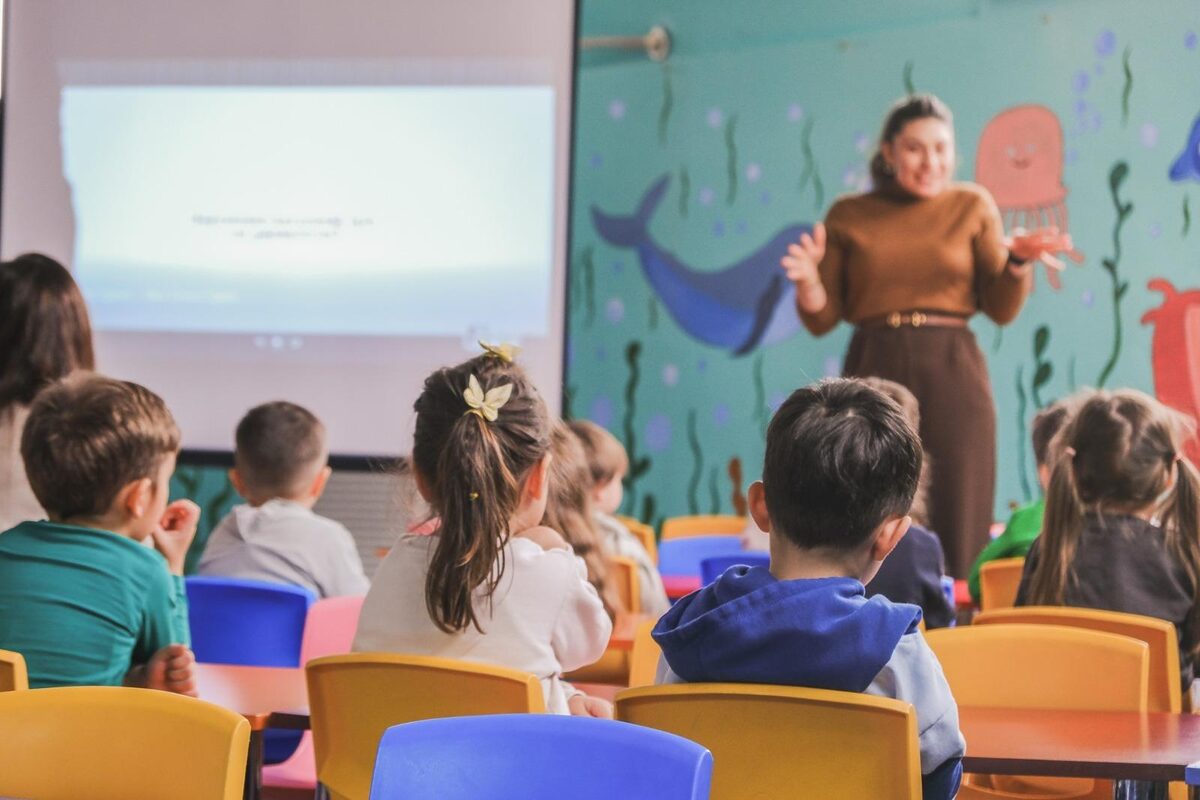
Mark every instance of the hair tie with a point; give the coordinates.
(486, 406)
(504, 352)
(1069, 451)
(473, 496)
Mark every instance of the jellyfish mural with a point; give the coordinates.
(1020, 161)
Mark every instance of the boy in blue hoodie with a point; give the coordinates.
(840, 471)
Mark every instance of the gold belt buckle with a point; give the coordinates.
(895, 319)
(919, 319)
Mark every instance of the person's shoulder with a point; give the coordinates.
(849, 207)
(923, 539)
(970, 195)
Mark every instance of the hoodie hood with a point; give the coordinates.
(748, 627)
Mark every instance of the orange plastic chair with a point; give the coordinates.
(613, 666)
(643, 658)
(1038, 666)
(1159, 635)
(354, 698)
(998, 583)
(773, 741)
(328, 630)
(115, 741)
(644, 533)
(13, 674)
(702, 525)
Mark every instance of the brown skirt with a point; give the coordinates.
(945, 369)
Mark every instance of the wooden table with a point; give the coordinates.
(268, 697)
(1124, 746)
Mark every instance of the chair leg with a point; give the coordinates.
(321, 793)
(1139, 790)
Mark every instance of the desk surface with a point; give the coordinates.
(260, 694)
(1084, 744)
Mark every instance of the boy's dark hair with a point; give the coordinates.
(841, 459)
(280, 445)
(606, 455)
(88, 436)
(1046, 425)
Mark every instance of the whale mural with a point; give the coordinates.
(1187, 164)
(738, 307)
(1175, 352)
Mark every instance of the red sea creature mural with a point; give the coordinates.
(1020, 161)
(1175, 352)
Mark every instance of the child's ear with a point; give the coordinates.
(422, 485)
(318, 484)
(537, 482)
(756, 499)
(239, 485)
(888, 536)
(135, 496)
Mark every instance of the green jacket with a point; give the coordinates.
(1023, 528)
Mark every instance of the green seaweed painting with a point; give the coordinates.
(697, 464)
(638, 465)
(1022, 456)
(668, 103)
(810, 173)
(731, 159)
(1116, 176)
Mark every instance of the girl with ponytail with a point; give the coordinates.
(491, 584)
(1122, 523)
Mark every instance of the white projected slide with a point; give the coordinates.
(380, 211)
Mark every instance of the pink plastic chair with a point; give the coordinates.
(328, 631)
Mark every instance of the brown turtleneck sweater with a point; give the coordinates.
(888, 252)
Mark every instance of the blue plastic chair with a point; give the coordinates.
(683, 556)
(948, 591)
(537, 757)
(713, 568)
(253, 623)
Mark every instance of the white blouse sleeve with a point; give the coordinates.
(582, 628)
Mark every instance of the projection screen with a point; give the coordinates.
(296, 199)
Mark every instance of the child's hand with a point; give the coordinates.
(546, 538)
(175, 532)
(171, 670)
(584, 705)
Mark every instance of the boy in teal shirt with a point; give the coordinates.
(1025, 524)
(81, 598)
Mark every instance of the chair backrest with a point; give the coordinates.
(1043, 666)
(254, 623)
(114, 741)
(354, 698)
(330, 626)
(644, 533)
(701, 525)
(539, 757)
(683, 556)
(13, 674)
(643, 658)
(713, 567)
(998, 582)
(624, 574)
(778, 741)
(1158, 634)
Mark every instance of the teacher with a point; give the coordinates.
(908, 263)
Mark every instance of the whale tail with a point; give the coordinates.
(1187, 165)
(630, 231)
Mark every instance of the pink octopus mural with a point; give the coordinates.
(1020, 161)
(1175, 352)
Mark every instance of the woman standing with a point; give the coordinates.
(44, 335)
(908, 264)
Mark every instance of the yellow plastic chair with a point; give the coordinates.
(998, 583)
(613, 666)
(702, 525)
(1158, 634)
(113, 741)
(354, 698)
(783, 741)
(643, 659)
(644, 533)
(1041, 666)
(13, 675)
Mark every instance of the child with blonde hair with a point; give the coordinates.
(491, 584)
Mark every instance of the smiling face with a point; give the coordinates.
(921, 156)
(1020, 158)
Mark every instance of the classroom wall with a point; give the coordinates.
(767, 110)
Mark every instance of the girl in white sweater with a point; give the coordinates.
(490, 585)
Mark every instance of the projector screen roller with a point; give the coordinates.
(321, 211)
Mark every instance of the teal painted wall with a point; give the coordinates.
(767, 110)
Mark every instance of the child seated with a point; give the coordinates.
(840, 471)
(489, 584)
(1026, 522)
(280, 470)
(80, 597)
(608, 463)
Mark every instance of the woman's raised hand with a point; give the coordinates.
(1042, 245)
(800, 263)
